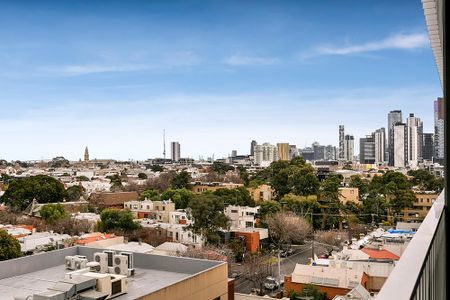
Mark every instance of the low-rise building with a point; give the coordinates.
(242, 216)
(421, 206)
(200, 187)
(349, 194)
(264, 192)
(147, 209)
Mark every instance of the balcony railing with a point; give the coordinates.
(420, 273)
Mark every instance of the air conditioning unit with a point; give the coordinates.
(130, 259)
(120, 265)
(110, 254)
(119, 285)
(70, 262)
(80, 263)
(102, 259)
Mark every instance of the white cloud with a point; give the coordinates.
(397, 41)
(242, 60)
(92, 69)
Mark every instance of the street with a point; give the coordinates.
(301, 255)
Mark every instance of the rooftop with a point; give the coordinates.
(33, 274)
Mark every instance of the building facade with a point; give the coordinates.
(175, 151)
(400, 145)
(349, 146)
(283, 151)
(341, 155)
(414, 145)
(367, 149)
(380, 146)
(439, 130)
(394, 117)
(428, 146)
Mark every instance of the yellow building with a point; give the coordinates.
(283, 151)
(199, 187)
(421, 207)
(348, 194)
(264, 192)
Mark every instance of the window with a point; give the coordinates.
(248, 224)
(234, 211)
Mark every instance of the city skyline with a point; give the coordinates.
(114, 83)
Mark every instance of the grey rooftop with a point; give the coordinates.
(28, 275)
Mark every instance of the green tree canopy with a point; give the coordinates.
(114, 219)
(150, 194)
(142, 176)
(156, 168)
(9, 246)
(221, 167)
(75, 192)
(45, 189)
(53, 212)
(301, 205)
(181, 181)
(309, 291)
(268, 208)
(83, 178)
(180, 197)
(361, 184)
(207, 212)
(426, 181)
(238, 196)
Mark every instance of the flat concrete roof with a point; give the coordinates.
(26, 276)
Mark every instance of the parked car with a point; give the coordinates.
(271, 283)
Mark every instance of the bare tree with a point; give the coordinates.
(287, 228)
(329, 237)
(257, 267)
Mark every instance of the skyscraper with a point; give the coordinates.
(394, 117)
(349, 146)
(283, 151)
(319, 151)
(293, 151)
(414, 143)
(252, 147)
(330, 152)
(265, 154)
(341, 155)
(175, 151)
(367, 149)
(439, 130)
(428, 146)
(400, 145)
(380, 145)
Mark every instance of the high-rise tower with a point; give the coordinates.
(175, 151)
(341, 155)
(439, 130)
(394, 117)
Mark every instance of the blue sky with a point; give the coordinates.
(215, 74)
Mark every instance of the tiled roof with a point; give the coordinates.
(380, 254)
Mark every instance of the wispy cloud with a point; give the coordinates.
(86, 69)
(397, 41)
(242, 60)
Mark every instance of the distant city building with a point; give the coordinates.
(341, 155)
(367, 149)
(349, 146)
(330, 152)
(86, 154)
(414, 144)
(175, 151)
(307, 153)
(439, 130)
(233, 153)
(394, 117)
(319, 151)
(428, 146)
(283, 151)
(400, 145)
(293, 151)
(252, 147)
(265, 154)
(380, 145)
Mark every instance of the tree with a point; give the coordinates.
(268, 208)
(181, 181)
(59, 162)
(75, 192)
(426, 181)
(114, 219)
(374, 207)
(361, 184)
(207, 213)
(180, 197)
(149, 194)
(45, 189)
(221, 167)
(307, 292)
(329, 192)
(82, 178)
(243, 174)
(116, 183)
(287, 228)
(257, 267)
(300, 205)
(9, 246)
(238, 196)
(53, 212)
(142, 176)
(156, 168)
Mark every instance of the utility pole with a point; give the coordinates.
(312, 237)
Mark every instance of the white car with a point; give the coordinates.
(271, 283)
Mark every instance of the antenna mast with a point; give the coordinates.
(164, 145)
